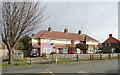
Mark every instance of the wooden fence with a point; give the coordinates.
(84, 56)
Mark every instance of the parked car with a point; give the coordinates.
(100, 51)
(34, 54)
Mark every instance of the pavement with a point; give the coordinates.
(95, 66)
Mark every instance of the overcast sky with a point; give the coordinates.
(96, 19)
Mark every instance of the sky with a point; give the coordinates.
(96, 19)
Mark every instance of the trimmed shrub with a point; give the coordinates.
(44, 54)
(53, 53)
(82, 46)
(117, 49)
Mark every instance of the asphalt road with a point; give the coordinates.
(96, 66)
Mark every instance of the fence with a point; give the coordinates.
(84, 56)
(4, 55)
(3, 52)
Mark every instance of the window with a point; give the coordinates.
(109, 44)
(50, 50)
(44, 50)
(66, 50)
(47, 49)
(48, 40)
(63, 42)
(105, 44)
(76, 42)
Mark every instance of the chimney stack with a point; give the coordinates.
(65, 30)
(33, 34)
(79, 32)
(110, 35)
(49, 29)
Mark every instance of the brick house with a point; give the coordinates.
(110, 42)
(47, 41)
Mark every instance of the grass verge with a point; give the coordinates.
(3, 65)
(65, 61)
(22, 64)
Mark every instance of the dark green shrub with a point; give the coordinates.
(82, 46)
(117, 49)
(44, 54)
(53, 53)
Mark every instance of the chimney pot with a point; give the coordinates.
(33, 34)
(79, 32)
(49, 29)
(110, 35)
(65, 30)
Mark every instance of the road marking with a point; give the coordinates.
(82, 72)
(47, 73)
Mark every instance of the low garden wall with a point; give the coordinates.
(84, 56)
(3, 52)
(4, 55)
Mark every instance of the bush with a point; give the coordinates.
(100, 51)
(53, 53)
(82, 46)
(44, 54)
(117, 49)
(107, 48)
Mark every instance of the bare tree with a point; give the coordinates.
(17, 19)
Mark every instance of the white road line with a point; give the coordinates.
(82, 72)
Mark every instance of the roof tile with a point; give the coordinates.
(111, 40)
(62, 35)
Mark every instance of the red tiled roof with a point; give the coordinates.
(111, 40)
(60, 46)
(66, 45)
(39, 34)
(87, 37)
(61, 35)
(36, 45)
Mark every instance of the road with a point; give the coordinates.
(96, 66)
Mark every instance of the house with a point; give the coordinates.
(47, 41)
(110, 42)
(92, 43)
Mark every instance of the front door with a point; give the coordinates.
(71, 50)
(60, 50)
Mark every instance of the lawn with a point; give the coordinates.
(3, 65)
(22, 64)
(17, 64)
(63, 61)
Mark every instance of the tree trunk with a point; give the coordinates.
(10, 60)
